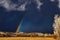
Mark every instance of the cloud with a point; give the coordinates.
(8, 5)
(59, 3)
(38, 3)
(22, 7)
(52, 0)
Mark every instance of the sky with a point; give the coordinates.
(29, 15)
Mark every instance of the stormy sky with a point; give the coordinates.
(30, 15)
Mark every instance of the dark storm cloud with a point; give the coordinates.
(34, 20)
(40, 20)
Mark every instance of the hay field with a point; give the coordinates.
(27, 38)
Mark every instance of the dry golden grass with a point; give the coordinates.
(27, 38)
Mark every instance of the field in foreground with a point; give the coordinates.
(27, 38)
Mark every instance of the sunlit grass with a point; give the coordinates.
(27, 38)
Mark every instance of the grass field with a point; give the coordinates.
(27, 38)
